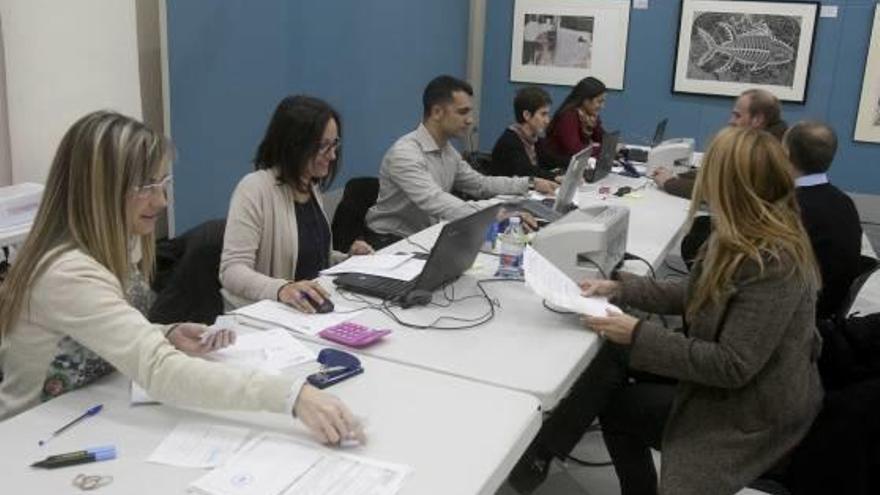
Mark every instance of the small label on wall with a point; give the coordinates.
(828, 11)
(640, 4)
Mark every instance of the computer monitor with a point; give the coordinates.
(572, 179)
(606, 158)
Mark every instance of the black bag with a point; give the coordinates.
(850, 350)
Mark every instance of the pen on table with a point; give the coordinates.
(91, 412)
(79, 457)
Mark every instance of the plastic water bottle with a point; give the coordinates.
(511, 245)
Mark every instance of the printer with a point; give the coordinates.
(677, 151)
(19, 205)
(586, 243)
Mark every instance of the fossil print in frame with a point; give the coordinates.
(727, 47)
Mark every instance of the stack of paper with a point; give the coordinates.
(549, 282)
(198, 445)
(279, 314)
(273, 464)
(396, 266)
(270, 351)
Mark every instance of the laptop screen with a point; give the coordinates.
(572, 178)
(659, 133)
(456, 249)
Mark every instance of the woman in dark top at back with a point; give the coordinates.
(515, 153)
(576, 124)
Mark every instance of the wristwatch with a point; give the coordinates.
(531, 182)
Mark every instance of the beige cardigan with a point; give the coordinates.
(78, 297)
(260, 243)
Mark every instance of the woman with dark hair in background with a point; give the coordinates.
(277, 233)
(576, 124)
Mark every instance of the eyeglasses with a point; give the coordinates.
(325, 147)
(145, 191)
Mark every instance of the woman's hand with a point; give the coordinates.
(360, 247)
(616, 327)
(188, 337)
(327, 417)
(600, 288)
(297, 294)
(661, 175)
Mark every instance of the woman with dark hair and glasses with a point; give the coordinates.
(277, 235)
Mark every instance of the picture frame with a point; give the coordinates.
(726, 47)
(563, 41)
(868, 119)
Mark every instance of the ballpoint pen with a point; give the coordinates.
(91, 412)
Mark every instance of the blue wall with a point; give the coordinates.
(231, 61)
(833, 94)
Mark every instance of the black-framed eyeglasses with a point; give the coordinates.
(326, 146)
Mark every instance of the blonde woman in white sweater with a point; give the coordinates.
(277, 236)
(64, 316)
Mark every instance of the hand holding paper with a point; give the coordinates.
(549, 282)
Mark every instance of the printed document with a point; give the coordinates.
(270, 350)
(549, 282)
(198, 445)
(279, 314)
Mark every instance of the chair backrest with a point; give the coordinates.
(867, 267)
(348, 221)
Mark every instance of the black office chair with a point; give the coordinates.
(348, 222)
(867, 267)
(187, 283)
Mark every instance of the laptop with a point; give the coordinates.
(551, 210)
(640, 154)
(606, 158)
(453, 253)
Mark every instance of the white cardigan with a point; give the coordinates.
(260, 243)
(78, 297)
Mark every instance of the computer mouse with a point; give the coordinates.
(325, 307)
(623, 191)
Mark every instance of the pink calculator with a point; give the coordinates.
(352, 334)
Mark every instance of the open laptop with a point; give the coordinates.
(565, 194)
(606, 158)
(641, 154)
(453, 253)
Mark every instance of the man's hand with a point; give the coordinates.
(545, 186)
(661, 175)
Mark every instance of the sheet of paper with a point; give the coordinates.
(549, 282)
(139, 396)
(197, 445)
(370, 262)
(342, 474)
(267, 465)
(279, 314)
(270, 350)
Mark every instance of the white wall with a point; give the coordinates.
(5, 157)
(63, 60)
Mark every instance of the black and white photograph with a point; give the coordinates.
(557, 40)
(726, 47)
(868, 120)
(563, 41)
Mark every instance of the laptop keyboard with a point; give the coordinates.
(376, 286)
(540, 210)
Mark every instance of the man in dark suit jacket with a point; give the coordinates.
(828, 214)
(515, 153)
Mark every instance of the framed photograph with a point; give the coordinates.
(868, 121)
(564, 41)
(727, 47)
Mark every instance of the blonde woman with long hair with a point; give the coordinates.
(747, 384)
(64, 314)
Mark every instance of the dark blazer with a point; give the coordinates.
(509, 159)
(748, 382)
(832, 222)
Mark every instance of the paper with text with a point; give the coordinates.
(371, 263)
(197, 445)
(342, 474)
(270, 350)
(267, 465)
(549, 282)
(279, 314)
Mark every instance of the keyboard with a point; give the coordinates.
(637, 155)
(373, 285)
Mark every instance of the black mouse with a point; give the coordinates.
(324, 307)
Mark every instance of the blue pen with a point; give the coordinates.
(79, 457)
(91, 412)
